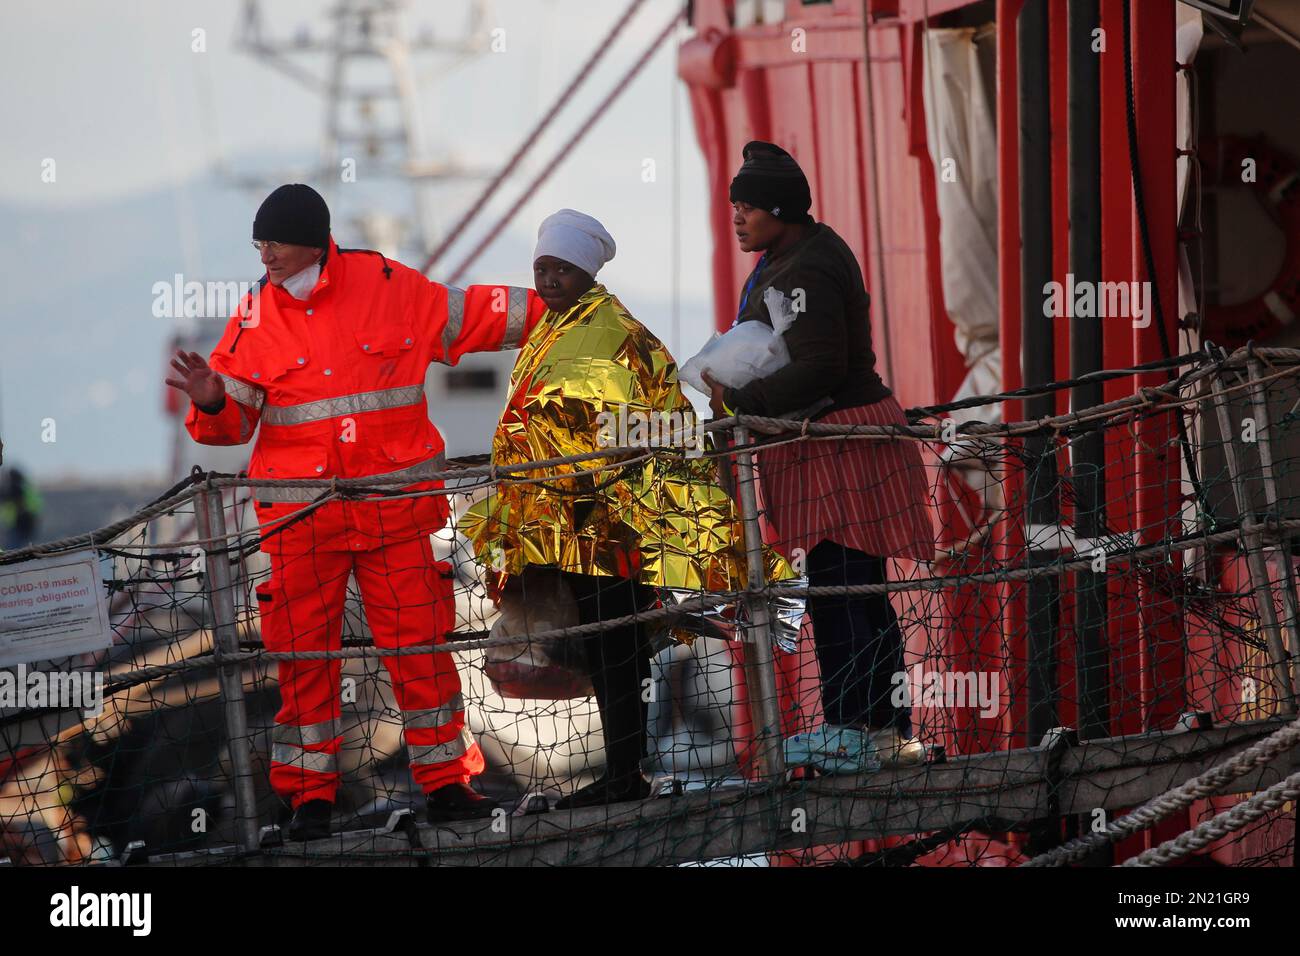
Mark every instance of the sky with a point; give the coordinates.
(140, 138)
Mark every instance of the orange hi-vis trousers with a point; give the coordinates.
(408, 600)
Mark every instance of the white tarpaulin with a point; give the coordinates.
(1187, 42)
(962, 138)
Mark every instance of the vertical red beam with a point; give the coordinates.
(711, 133)
(1009, 543)
(1058, 38)
(1158, 465)
(1117, 213)
(758, 107)
(1117, 220)
(1164, 679)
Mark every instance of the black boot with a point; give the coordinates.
(311, 821)
(607, 790)
(457, 801)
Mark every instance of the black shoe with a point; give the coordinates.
(311, 821)
(606, 790)
(457, 801)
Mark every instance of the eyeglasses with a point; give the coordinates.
(276, 247)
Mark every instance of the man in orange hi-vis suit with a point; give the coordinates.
(329, 356)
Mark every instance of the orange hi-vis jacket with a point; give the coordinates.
(336, 382)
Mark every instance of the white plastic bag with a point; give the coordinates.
(537, 601)
(748, 351)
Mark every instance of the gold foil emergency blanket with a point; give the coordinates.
(664, 521)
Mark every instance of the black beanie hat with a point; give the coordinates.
(296, 214)
(771, 180)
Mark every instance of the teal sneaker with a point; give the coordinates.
(833, 750)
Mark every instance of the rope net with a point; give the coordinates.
(1091, 662)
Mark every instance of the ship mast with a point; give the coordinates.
(372, 120)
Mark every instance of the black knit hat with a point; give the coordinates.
(296, 214)
(771, 180)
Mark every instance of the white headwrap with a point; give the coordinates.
(575, 237)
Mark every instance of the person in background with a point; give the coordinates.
(845, 505)
(612, 535)
(20, 509)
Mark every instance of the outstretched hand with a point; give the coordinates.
(196, 379)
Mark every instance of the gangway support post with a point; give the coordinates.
(760, 667)
(210, 513)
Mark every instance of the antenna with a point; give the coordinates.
(359, 57)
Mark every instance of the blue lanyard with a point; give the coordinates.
(753, 277)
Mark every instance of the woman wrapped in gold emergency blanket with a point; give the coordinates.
(589, 377)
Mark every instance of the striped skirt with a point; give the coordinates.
(863, 493)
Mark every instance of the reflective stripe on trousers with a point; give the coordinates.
(289, 744)
(310, 760)
(435, 717)
(440, 753)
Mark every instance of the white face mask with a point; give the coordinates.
(300, 285)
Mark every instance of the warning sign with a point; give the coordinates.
(52, 607)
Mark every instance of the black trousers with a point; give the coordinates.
(619, 662)
(859, 644)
